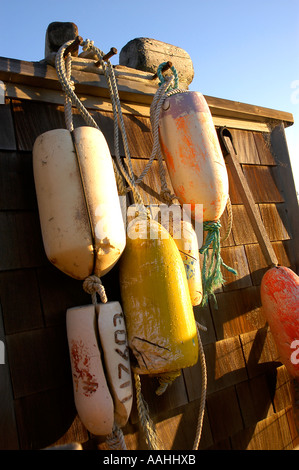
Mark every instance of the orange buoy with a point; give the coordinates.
(280, 301)
(192, 153)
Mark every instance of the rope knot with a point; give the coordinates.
(87, 44)
(93, 285)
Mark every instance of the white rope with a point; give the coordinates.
(203, 389)
(118, 119)
(71, 98)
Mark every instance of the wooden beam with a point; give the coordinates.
(247, 198)
(134, 86)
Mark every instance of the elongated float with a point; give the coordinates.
(80, 215)
(84, 236)
(192, 153)
(100, 365)
(186, 240)
(280, 301)
(160, 322)
(190, 147)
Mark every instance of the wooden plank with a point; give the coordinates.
(133, 86)
(224, 414)
(234, 193)
(249, 201)
(20, 301)
(255, 400)
(39, 360)
(21, 241)
(242, 228)
(172, 398)
(20, 91)
(34, 118)
(245, 146)
(223, 107)
(7, 134)
(238, 312)
(265, 435)
(275, 219)
(8, 428)
(177, 430)
(16, 182)
(257, 263)
(58, 292)
(235, 257)
(260, 351)
(263, 145)
(261, 183)
(284, 180)
(225, 367)
(96, 103)
(281, 384)
(48, 418)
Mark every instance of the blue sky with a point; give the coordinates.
(246, 51)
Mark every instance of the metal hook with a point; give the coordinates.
(107, 56)
(73, 46)
(166, 67)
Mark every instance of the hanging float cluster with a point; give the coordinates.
(77, 186)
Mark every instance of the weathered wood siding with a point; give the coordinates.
(250, 395)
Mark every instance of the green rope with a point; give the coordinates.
(211, 270)
(162, 79)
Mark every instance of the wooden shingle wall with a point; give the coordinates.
(250, 396)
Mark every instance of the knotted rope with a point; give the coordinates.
(144, 417)
(116, 440)
(211, 270)
(93, 286)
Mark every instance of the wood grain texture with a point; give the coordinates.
(237, 312)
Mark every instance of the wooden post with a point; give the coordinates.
(247, 199)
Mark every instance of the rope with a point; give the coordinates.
(118, 118)
(93, 286)
(203, 389)
(165, 380)
(116, 440)
(230, 220)
(145, 420)
(68, 115)
(211, 270)
(167, 87)
(71, 98)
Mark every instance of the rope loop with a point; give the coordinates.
(93, 285)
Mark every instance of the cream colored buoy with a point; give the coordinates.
(192, 154)
(113, 337)
(186, 241)
(80, 215)
(93, 400)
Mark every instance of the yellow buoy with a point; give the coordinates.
(159, 316)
